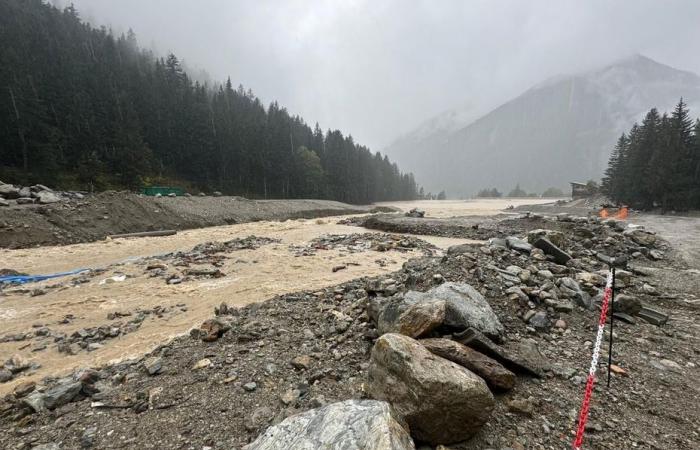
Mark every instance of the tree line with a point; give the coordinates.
(657, 164)
(518, 192)
(81, 108)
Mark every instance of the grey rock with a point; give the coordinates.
(250, 387)
(627, 304)
(640, 236)
(570, 288)
(540, 321)
(4, 202)
(49, 446)
(556, 237)
(559, 255)
(518, 244)
(8, 191)
(25, 201)
(153, 365)
(465, 307)
(5, 375)
(348, 425)
(25, 192)
(441, 401)
(258, 418)
(461, 249)
(498, 242)
(46, 197)
(59, 395)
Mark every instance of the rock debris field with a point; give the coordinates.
(483, 346)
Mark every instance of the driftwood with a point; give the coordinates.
(144, 234)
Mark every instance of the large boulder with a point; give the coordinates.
(641, 237)
(421, 318)
(64, 392)
(518, 244)
(441, 401)
(8, 191)
(46, 197)
(556, 237)
(348, 425)
(495, 375)
(464, 307)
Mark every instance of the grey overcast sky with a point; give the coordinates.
(377, 68)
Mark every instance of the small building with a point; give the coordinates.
(580, 190)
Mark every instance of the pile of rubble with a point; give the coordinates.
(486, 347)
(208, 253)
(358, 243)
(28, 195)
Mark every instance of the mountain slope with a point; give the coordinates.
(558, 131)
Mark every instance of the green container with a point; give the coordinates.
(162, 190)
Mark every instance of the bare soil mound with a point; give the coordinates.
(97, 216)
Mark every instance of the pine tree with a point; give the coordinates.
(81, 108)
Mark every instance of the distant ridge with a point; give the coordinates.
(560, 130)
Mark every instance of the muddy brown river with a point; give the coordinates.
(251, 276)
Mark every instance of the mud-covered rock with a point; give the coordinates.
(441, 401)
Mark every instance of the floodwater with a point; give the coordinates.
(473, 207)
(251, 276)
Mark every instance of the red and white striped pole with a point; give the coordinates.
(590, 382)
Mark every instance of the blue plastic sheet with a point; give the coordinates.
(22, 279)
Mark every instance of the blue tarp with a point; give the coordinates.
(22, 279)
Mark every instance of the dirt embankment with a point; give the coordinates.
(98, 216)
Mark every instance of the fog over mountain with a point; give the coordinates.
(378, 69)
(560, 130)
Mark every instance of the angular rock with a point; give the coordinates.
(465, 307)
(653, 316)
(301, 362)
(474, 339)
(627, 304)
(441, 401)
(348, 425)
(153, 365)
(559, 255)
(258, 418)
(518, 244)
(57, 396)
(46, 197)
(24, 201)
(416, 320)
(213, 329)
(495, 375)
(5, 375)
(202, 364)
(641, 237)
(461, 249)
(570, 288)
(8, 191)
(540, 321)
(556, 237)
(4, 202)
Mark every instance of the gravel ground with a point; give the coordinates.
(302, 350)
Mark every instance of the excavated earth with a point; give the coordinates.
(96, 216)
(299, 351)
